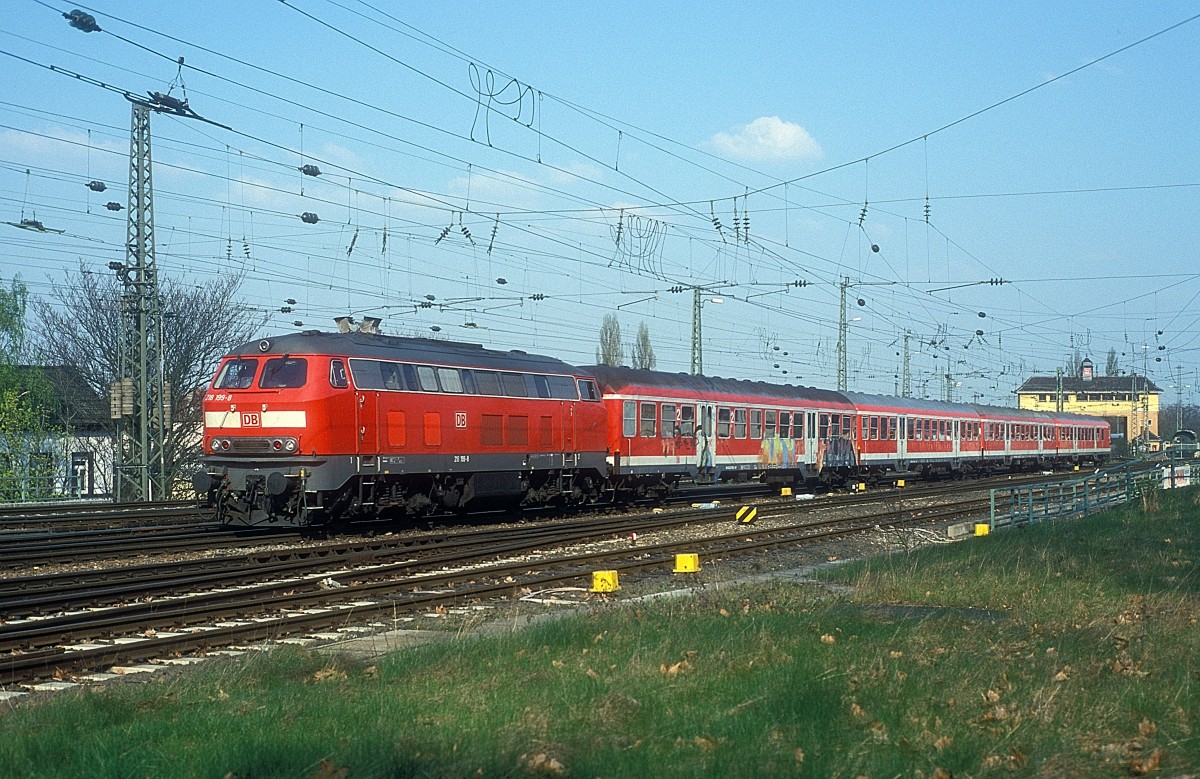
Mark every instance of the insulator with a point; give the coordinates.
(310, 170)
(285, 310)
(81, 21)
(309, 218)
(538, 296)
(875, 248)
(113, 205)
(290, 302)
(425, 304)
(246, 249)
(501, 280)
(445, 232)
(97, 186)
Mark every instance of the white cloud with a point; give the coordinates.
(767, 139)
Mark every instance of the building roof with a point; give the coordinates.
(72, 403)
(1074, 384)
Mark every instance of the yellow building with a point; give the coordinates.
(1129, 403)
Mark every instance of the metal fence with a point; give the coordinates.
(1099, 491)
(36, 489)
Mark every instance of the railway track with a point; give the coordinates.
(69, 624)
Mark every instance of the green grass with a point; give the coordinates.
(1058, 650)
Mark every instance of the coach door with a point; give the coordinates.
(901, 440)
(810, 437)
(706, 441)
(367, 421)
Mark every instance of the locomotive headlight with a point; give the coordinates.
(225, 445)
(277, 445)
(290, 444)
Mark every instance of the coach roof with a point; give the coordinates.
(415, 350)
(617, 379)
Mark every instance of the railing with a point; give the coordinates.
(32, 489)
(1016, 506)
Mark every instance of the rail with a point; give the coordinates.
(1028, 504)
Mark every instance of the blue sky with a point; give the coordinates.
(581, 153)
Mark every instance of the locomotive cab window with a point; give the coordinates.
(588, 390)
(236, 374)
(337, 374)
(284, 372)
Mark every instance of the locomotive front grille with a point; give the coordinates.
(249, 445)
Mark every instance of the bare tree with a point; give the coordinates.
(79, 324)
(643, 352)
(611, 350)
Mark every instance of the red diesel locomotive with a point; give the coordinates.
(312, 427)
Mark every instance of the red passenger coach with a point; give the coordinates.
(302, 428)
(667, 427)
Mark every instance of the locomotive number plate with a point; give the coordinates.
(460, 419)
(251, 420)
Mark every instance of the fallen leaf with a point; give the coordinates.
(592, 674)
(1063, 675)
(828, 639)
(328, 673)
(327, 770)
(370, 671)
(682, 667)
(543, 764)
(856, 710)
(895, 655)
(799, 755)
(1146, 727)
(991, 696)
(941, 773)
(724, 613)
(1150, 764)
(942, 743)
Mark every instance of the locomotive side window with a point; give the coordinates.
(487, 382)
(390, 373)
(562, 387)
(540, 388)
(236, 374)
(337, 374)
(588, 390)
(669, 427)
(513, 384)
(450, 379)
(284, 372)
(687, 421)
(629, 418)
(426, 379)
(649, 420)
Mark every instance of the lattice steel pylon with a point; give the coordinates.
(139, 396)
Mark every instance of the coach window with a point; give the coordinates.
(824, 427)
(284, 372)
(513, 384)
(236, 374)
(756, 423)
(629, 418)
(798, 424)
(669, 428)
(687, 421)
(771, 417)
(450, 379)
(337, 374)
(872, 429)
(785, 424)
(739, 423)
(588, 390)
(835, 427)
(649, 420)
(723, 425)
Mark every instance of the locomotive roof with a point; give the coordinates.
(617, 378)
(391, 347)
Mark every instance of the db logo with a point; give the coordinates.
(251, 420)
(460, 419)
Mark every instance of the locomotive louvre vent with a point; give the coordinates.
(249, 445)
